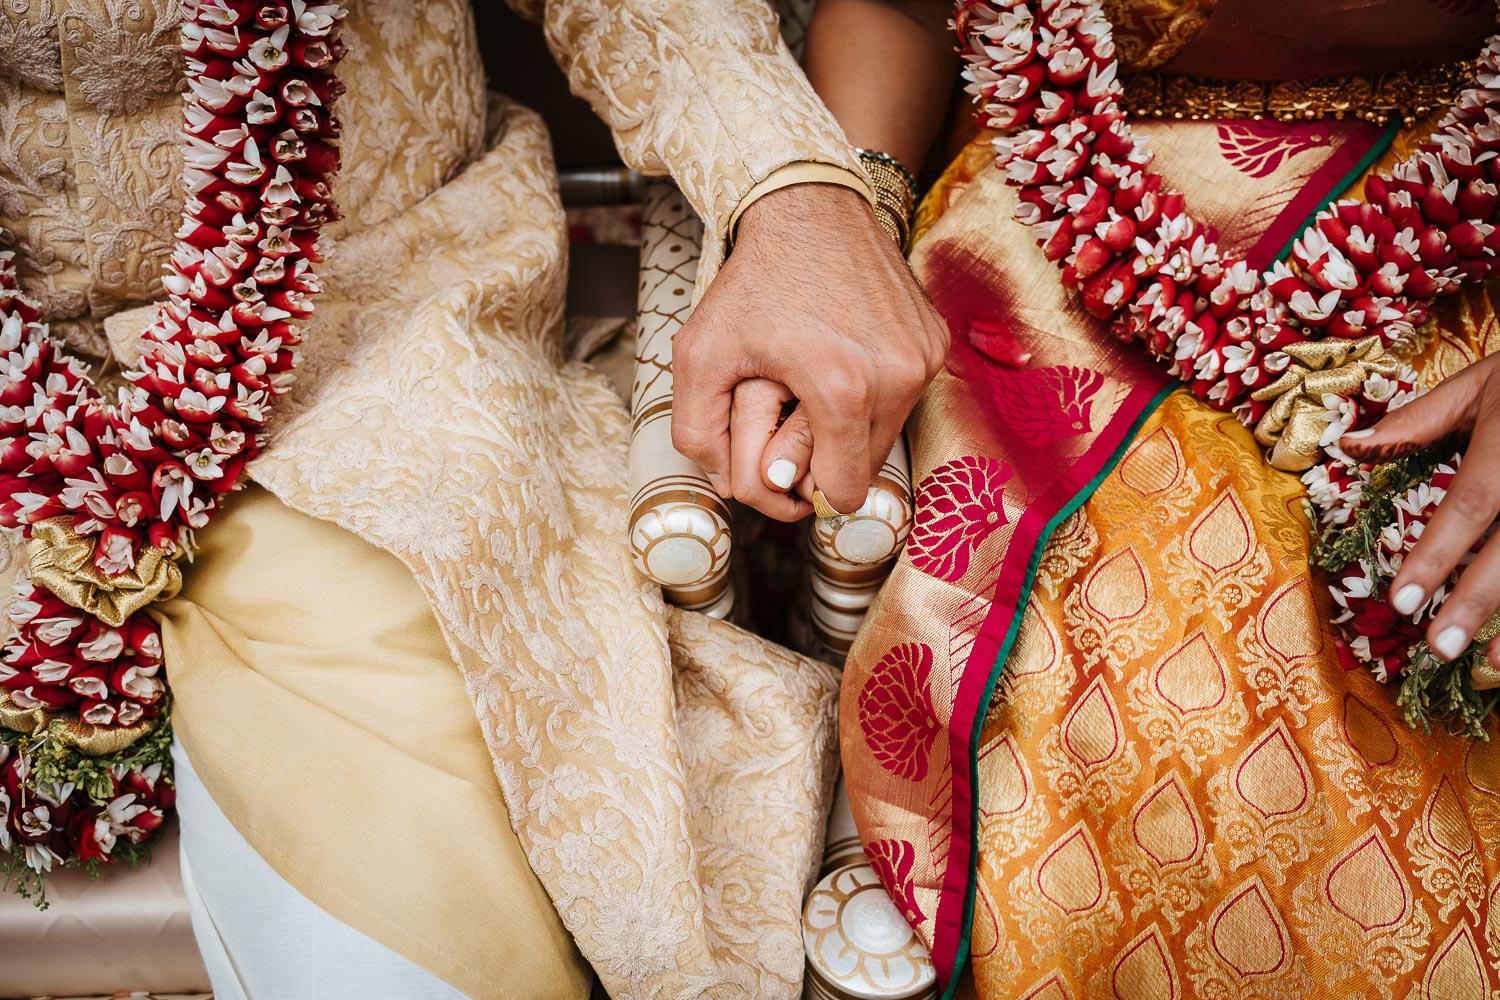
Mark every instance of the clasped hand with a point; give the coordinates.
(816, 305)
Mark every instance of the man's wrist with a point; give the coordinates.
(795, 207)
(801, 174)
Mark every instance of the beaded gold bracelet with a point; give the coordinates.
(895, 193)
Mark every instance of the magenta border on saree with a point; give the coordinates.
(954, 919)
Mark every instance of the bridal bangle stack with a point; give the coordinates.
(895, 190)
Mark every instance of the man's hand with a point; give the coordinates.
(1468, 403)
(816, 298)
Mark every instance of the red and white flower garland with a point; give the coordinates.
(135, 478)
(1044, 73)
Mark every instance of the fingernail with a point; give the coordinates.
(718, 483)
(783, 473)
(1451, 642)
(1409, 598)
(1356, 435)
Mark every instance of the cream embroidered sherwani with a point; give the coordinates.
(424, 620)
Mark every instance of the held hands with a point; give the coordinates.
(815, 305)
(1468, 403)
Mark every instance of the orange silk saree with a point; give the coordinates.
(1095, 730)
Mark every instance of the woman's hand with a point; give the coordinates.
(815, 298)
(1468, 403)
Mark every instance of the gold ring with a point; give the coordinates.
(822, 507)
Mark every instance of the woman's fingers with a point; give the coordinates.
(1471, 604)
(788, 457)
(753, 420)
(1465, 514)
(1448, 409)
(1463, 518)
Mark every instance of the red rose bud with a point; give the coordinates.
(1060, 244)
(164, 537)
(1093, 256)
(1432, 244)
(1438, 205)
(1468, 238)
(1054, 107)
(1117, 234)
(1111, 141)
(1420, 284)
(1478, 199)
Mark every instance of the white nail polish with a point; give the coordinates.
(1409, 598)
(783, 473)
(1356, 435)
(1450, 642)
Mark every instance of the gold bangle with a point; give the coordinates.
(895, 194)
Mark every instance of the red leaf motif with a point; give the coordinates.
(1046, 405)
(958, 507)
(1257, 148)
(895, 711)
(892, 861)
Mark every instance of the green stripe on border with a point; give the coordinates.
(1381, 145)
(961, 957)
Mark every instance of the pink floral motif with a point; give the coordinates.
(1046, 405)
(1364, 272)
(1257, 148)
(958, 507)
(895, 711)
(892, 861)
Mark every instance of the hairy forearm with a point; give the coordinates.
(886, 69)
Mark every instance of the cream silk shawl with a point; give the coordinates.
(438, 418)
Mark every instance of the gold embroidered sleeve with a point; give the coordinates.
(702, 90)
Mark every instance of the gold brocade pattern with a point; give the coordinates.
(1283, 835)
(1355, 851)
(1148, 33)
(1373, 97)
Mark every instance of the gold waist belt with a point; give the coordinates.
(1374, 97)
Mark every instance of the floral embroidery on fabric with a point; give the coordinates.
(959, 505)
(892, 861)
(895, 711)
(28, 50)
(127, 60)
(1047, 405)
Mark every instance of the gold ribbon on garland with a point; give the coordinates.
(62, 561)
(1292, 429)
(67, 729)
(1483, 674)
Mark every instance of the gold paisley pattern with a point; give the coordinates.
(1180, 792)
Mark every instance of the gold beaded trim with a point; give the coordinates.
(894, 197)
(1373, 97)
